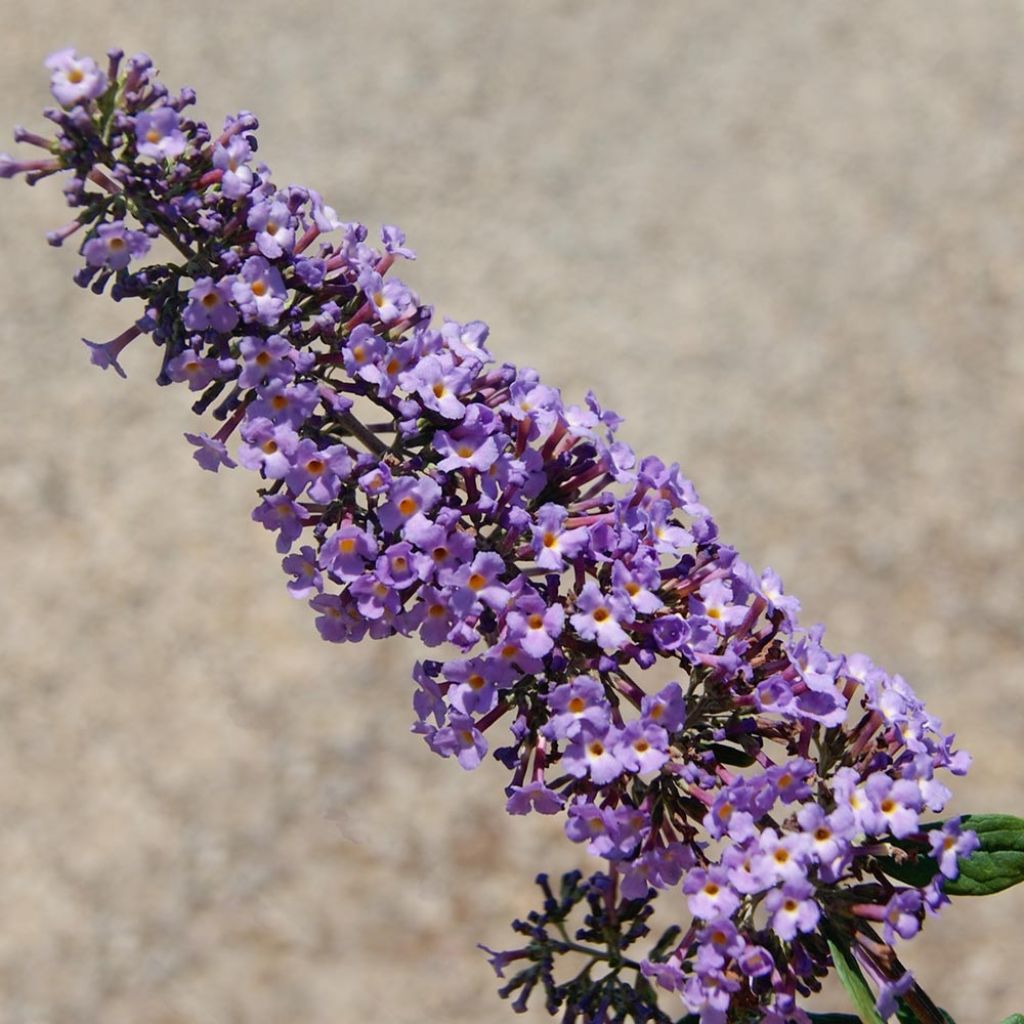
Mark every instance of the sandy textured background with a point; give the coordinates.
(786, 240)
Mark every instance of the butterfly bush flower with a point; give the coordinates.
(157, 134)
(75, 79)
(469, 505)
(115, 246)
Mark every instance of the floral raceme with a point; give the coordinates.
(417, 487)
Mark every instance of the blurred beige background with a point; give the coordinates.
(785, 240)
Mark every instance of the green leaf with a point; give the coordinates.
(1014, 1018)
(726, 754)
(917, 872)
(905, 1015)
(853, 981)
(997, 864)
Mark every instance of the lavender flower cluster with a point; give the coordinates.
(417, 487)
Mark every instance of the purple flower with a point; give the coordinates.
(259, 291)
(672, 632)
(950, 843)
(306, 573)
(730, 815)
(894, 806)
(408, 497)
(277, 512)
(74, 78)
(747, 870)
(391, 300)
(437, 617)
(599, 616)
(474, 508)
(319, 469)
(466, 341)
(668, 975)
(709, 893)
(399, 566)
(551, 544)
(665, 708)
(114, 246)
(890, 992)
(784, 856)
(534, 796)
(268, 447)
(775, 694)
(903, 914)
(285, 403)
(638, 583)
(394, 241)
(614, 834)
(231, 158)
(270, 358)
(362, 351)
(273, 223)
(721, 941)
(338, 620)
(715, 602)
(792, 909)
(157, 134)
(347, 551)
(447, 550)
(194, 369)
(660, 867)
(533, 405)
(755, 962)
(474, 691)
(592, 752)
(438, 385)
(575, 704)
(666, 537)
(375, 599)
(536, 626)
(209, 306)
(480, 583)
(461, 738)
(466, 448)
(210, 453)
(791, 780)
(105, 356)
(642, 748)
(771, 589)
(829, 834)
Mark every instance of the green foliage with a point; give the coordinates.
(997, 864)
(852, 979)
